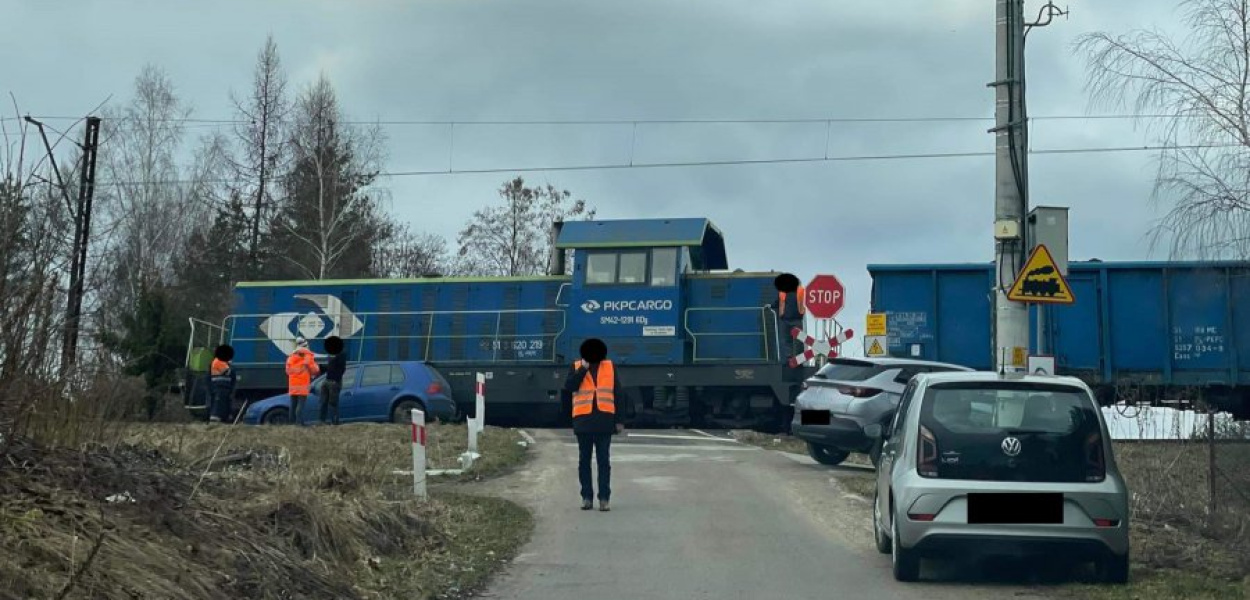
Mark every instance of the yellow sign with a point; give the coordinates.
(876, 347)
(1019, 356)
(876, 324)
(1041, 282)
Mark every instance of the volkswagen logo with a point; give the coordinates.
(1011, 446)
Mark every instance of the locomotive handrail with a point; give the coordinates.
(548, 354)
(191, 338)
(762, 331)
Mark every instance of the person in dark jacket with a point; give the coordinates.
(221, 384)
(333, 385)
(599, 406)
(790, 311)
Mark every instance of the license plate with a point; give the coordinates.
(814, 417)
(1015, 509)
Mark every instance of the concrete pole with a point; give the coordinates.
(1011, 319)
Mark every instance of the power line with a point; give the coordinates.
(691, 121)
(741, 162)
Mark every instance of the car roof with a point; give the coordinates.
(889, 362)
(992, 376)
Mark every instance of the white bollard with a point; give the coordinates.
(476, 424)
(418, 453)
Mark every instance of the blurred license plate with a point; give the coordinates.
(814, 417)
(1015, 509)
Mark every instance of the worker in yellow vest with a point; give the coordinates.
(598, 414)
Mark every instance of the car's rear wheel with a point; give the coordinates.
(827, 455)
(883, 540)
(1114, 569)
(276, 416)
(906, 562)
(402, 413)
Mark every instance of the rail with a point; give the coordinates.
(766, 334)
(517, 347)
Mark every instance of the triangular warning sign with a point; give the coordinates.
(875, 349)
(1041, 282)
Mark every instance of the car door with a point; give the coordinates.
(890, 453)
(376, 391)
(349, 404)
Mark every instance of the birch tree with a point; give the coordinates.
(1199, 81)
(513, 238)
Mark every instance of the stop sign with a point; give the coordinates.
(825, 296)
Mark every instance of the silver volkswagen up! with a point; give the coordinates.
(999, 465)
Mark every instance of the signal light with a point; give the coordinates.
(434, 388)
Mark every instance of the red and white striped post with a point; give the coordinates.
(475, 424)
(418, 453)
(814, 346)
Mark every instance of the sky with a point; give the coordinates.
(479, 60)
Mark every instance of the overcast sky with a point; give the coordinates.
(654, 59)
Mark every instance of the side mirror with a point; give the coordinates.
(875, 431)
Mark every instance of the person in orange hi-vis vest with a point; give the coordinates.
(599, 407)
(301, 367)
(791, 308)
(221, 385)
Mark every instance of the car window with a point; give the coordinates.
(840, 369)
(905, 374)
(397, 374)
(904, 404)
(349, 376)
(1012, 432)
(376, 375)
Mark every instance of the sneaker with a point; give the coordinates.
(603, 506)
(587, 505)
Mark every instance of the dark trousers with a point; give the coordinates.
(787, 346)
(221, 404)
(297, 409)
(600, 444)
(330, 399)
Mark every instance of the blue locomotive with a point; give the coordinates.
(696, 344)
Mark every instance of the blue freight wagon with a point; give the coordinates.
(1154, 327)
(695, 343)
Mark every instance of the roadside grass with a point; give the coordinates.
(285, 512)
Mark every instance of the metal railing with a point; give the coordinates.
(766, 330)
(202, 336)
(524, 347)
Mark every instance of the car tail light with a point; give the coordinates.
(1106, 523)
(921, 517)
(1095, 463)
(858, 392)
(434, 388)
(926, 459)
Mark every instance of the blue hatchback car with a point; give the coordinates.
(376, 392)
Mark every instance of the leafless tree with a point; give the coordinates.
(261, 137)
(331, 217)
(513, 239)
(1200, 83)
(408, 255)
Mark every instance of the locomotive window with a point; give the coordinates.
(633, 267)
(601, 268)
(663, 266)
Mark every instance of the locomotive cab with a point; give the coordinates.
(627, 284)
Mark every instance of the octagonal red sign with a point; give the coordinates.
(825, 296)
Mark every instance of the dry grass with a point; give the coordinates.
(308, 513)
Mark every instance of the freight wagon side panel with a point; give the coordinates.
(1075, 338)
(937, 313)
(1199, 313)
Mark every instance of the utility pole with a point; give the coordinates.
(82, 238)
(1011, 175)
(80, 212)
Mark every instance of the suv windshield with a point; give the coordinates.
(1010, 432)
